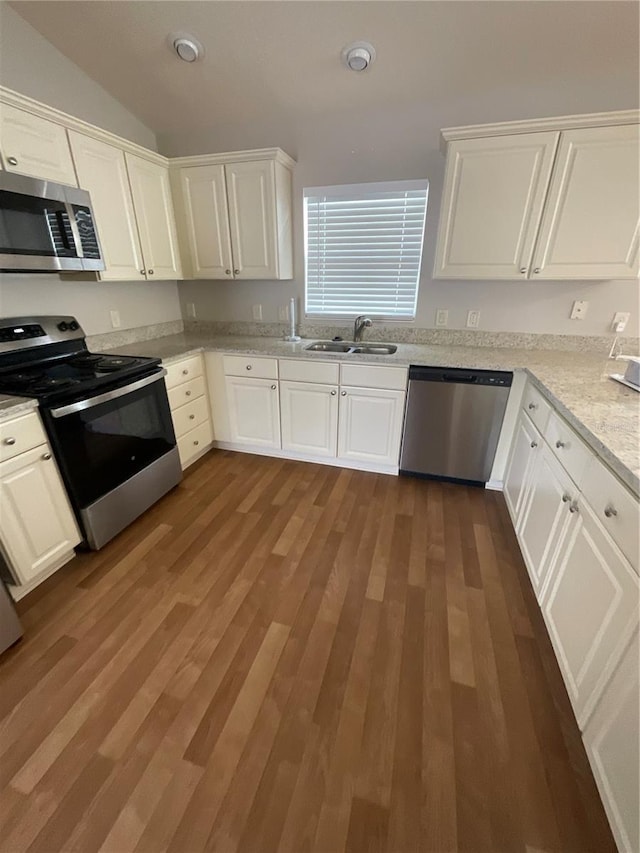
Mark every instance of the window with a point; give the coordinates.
(363, 247)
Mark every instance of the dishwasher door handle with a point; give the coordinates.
(471, 377)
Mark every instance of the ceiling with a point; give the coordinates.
(280, 59)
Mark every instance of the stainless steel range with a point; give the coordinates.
(107, 417)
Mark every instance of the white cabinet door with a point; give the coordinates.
(591, 223)
(37, 525)
(591, 609)
(252, 219)
(34, 146)
(370, 425)
(102, 171)
(206, 216)
(309, 415)
(154, 214)
(527, 443)
(612, 740)
(492, 203)
(545, 516)
(254, 411)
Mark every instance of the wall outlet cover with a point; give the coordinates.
(283, 313)
(473, 319)
(620, 320)
(442, 317)
(115, 318)
(191, 310)
(579, 310)
(257, 312)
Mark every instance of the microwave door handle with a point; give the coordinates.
(71, 214)
(81, 405)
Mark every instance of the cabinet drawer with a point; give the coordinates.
(189, 416)
(20, 434)
(186, 392)
(374, 376)
(246, 365)
(616, 508)
(193, 442)
(183, 371)
(535, 405)
(570, 450)
(324, 372)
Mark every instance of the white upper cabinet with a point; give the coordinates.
(492, 202)
(558, 204)
(207, 222)
(102, 171)
(154, 213)
(251, 188)
(591, 222)
(236, 218)
(35, 146)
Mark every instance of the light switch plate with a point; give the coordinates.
(283, 313)
(442, 317)
(620, 320)
(257, 312)
(579, 310)
(115, 318)
(191, 310)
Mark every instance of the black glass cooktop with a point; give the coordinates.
(80, 373)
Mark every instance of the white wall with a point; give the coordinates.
(139, 303)
(403, 143)
(31, 65)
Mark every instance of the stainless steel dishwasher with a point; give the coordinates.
(452, 422)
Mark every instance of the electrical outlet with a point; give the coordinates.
(620, 320)
(191, 310)
(473, 319)
(442, 317)
(579, 310)
(257, 312)
(115, 318)
(283, 313)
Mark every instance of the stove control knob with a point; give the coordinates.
(63, 326)
(73, 326)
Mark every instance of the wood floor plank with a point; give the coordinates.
(289, 657)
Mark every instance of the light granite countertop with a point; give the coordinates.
(605, 413)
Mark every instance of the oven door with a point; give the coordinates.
(38, 231)
(105, 441)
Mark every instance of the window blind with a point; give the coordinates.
(363, 248)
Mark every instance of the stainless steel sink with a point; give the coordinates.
(348, 347)
(330, 346)
(376, 349)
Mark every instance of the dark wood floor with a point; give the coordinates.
(283, 656)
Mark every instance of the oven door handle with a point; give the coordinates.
(108, 395)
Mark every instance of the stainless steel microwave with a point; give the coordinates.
(46, 227)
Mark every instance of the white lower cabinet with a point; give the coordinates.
(526, 445)
(612, 741)
(370, 427)
(189, 406)
(591, 608)
(309, 414)
(254, 411)
(545, 515)
(37, 526)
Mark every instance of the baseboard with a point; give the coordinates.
(300, 457)
(495, 485)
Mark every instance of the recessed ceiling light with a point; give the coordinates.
(186, 47)
(358, 56)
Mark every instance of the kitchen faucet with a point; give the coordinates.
(359, 326)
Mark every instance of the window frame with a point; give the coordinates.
(363, 191)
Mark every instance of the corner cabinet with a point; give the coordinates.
(561, 204)
(235, 217)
